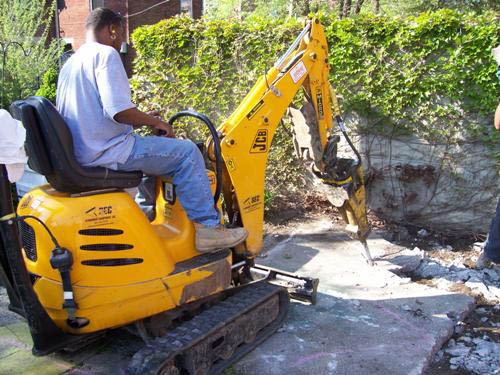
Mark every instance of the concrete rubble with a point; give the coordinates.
(478, 355)
(368, 320)
(447, 270)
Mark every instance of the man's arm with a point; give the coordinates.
(136, 118)
(497, 117)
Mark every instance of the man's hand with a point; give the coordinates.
(164, 129)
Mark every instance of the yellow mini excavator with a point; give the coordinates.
(79, 257)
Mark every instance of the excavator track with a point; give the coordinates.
(217, 337)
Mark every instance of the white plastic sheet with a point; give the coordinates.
(12, 153)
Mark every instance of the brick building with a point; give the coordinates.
(70, 23)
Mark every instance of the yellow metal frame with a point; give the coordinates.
(248, 132)
(113, 296)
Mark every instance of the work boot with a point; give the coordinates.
(210, 239)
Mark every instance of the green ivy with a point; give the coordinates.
(431, 75)
(48, 88)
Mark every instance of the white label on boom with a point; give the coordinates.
(298, 71)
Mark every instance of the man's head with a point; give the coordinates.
(105, 27)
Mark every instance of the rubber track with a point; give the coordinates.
(184, 349)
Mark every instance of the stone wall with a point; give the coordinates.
(451, 188)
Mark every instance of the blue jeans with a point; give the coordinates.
(180, 159)
(492, 245)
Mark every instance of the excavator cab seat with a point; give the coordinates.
(49, 146)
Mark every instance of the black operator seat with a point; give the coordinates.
(49, 146)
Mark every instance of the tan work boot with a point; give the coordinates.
(211, 239)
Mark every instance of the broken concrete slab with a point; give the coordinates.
(367, 320)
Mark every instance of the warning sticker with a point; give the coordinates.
(298, 71)
(252, 203)
(231, 165)
(96, 216)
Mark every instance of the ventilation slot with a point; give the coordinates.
(106, 247)
(28, 240)
(100, 232)
(112, 262)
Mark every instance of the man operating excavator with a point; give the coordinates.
(93, 96)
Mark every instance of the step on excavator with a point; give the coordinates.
(79, 257)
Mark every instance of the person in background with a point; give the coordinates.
(491, 249)
(93, 96)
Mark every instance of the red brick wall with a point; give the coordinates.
(197, 8)
(72, 15)
(149, 17)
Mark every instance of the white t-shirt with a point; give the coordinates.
(92, 88)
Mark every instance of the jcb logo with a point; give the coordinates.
(260, 142)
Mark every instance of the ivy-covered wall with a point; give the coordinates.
(430, 78)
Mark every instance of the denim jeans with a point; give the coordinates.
(180, 159)
(492, 245)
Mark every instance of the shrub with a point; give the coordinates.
(26, 50)
(48, 87)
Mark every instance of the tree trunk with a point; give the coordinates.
(291, 4)
(331, 4)
(239, 10)
(347, 8)
(341, 8)
(359, 4)
(307, 7)
(376, 6)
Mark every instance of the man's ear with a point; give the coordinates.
(112, 32)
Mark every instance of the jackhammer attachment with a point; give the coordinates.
(340, 179)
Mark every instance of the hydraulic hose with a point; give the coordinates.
(215, 137)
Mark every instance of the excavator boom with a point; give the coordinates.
(248, 133)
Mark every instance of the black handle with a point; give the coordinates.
(215, 137)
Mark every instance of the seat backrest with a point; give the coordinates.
(49, 146)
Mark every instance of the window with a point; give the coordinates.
(96, 4)
(187, 7)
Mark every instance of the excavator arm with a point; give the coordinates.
(246, 137)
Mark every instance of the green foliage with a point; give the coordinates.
(415, 7)
(431, 75)
(241, 9)
(48, 87)
(208, 66)
(24, 29)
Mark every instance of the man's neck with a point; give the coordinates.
(90, 37)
